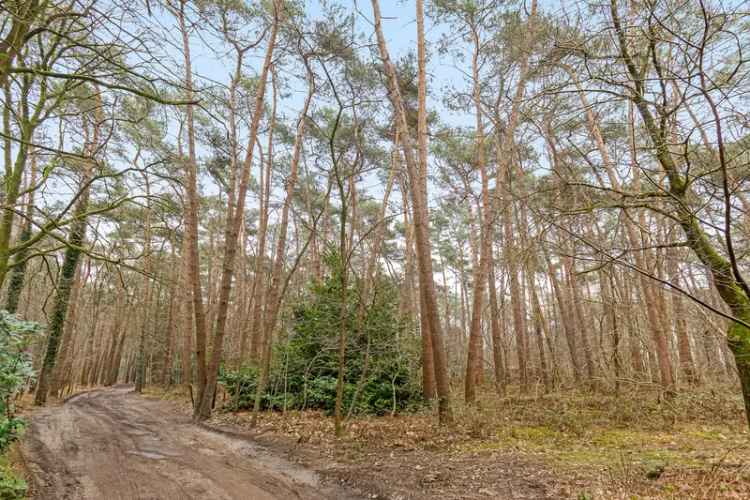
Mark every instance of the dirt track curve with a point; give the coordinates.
(113, 444)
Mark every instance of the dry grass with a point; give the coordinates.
(575, 444)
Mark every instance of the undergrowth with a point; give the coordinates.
(12, 485)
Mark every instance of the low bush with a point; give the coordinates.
(12, 487)
(382, 355)
(15, 372)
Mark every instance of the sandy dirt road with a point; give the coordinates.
(112, 444)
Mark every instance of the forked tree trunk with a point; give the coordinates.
(235, 217)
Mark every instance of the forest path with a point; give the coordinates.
(114, 444)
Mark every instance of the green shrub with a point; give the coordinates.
(241, 385)
(305, 367)
(11, 486)
(10, 429)
(15, 371)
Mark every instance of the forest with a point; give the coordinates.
(415, 249)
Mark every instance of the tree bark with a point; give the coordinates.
(234, 219)
(191, 215)
(417, 173)
(486, 215)
(70, 260)
(275, 291)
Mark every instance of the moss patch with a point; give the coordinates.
(607, 447)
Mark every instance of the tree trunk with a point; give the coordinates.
(166, 373)
(235, 218)
(429, 389)
(565, 312)
(684, 352)
(540, 326)
(72, 254)
(140, 380)
(60, 311)
(575, 302)
(191, 215)
(497, 342)
(18, 272)
(418, 179)
(259, 280)
(67, 340)
(474, 360)
(275, 291)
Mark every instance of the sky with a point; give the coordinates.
(399, 27)
(211, 67)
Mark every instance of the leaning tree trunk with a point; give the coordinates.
(18, 272)
(727, 278)
(275, 291)
(231, 234)
(71, 258)
(60, 311)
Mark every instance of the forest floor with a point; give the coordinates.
(634, 445)
(113, 444)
